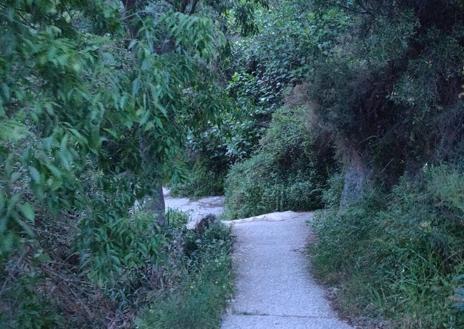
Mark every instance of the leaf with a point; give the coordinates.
(35, 175)
(54, 170)
(136, 84)
(27, 211)
(27, 229)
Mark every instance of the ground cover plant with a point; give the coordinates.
(284, 174)
(199, 300)
(398, 255)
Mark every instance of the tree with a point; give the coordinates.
(390, 92)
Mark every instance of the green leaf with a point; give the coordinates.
(27, 211)
(27, 229)
(35, 175)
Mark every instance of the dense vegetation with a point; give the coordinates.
(398, 255)
(355, 106)
(381, 84)
(205, 284)
(96, 101)
(390, 94)
(379, 87)
(288, 171)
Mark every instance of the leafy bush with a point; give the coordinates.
(176, 219)
(380, 89)
(332, 193)
(399, 254)
(264, 66)
(125, 247)
(132, 266)
(267, 64)
(91, 116)
(206, 167)
(199, 300)
(22, 307)
(284, 173)
(200, 181)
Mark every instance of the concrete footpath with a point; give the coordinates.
(274, 287)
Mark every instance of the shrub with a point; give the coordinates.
(201, 180)
(126, 246)
(22, 307)
(198, 301)
(379, 88)
(112, 281)
(283, 174)
(332, 193)
(399, 254)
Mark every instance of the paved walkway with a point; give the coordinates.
(274, 288)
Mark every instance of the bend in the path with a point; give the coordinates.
(274, 288)
(196, 208)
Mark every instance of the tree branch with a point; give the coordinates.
(193, 8)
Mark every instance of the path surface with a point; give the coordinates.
(274, 288)
(197, 208)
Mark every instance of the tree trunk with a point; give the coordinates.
(156, 204)
(357, 177)
(154, 201)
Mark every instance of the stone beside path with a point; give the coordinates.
(274, 287)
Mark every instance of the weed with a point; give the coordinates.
(199, 300)
(398, 255)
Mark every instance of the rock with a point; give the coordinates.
(203, 224)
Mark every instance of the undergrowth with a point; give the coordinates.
(202, 180)
(284, 174)
(184, 274)
(198, 301)
(399, 255)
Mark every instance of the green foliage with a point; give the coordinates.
(207, 162)
(32, 310)
(399, 255)
(264, 64)
(201, 180)
(389, 89)
(282, 54)
(332, 193)
(120, 247)
(95, 103)
(384, 82)
(199, 301)
(284, 174)
(131, 264)
(176, 219)
(267, 64)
